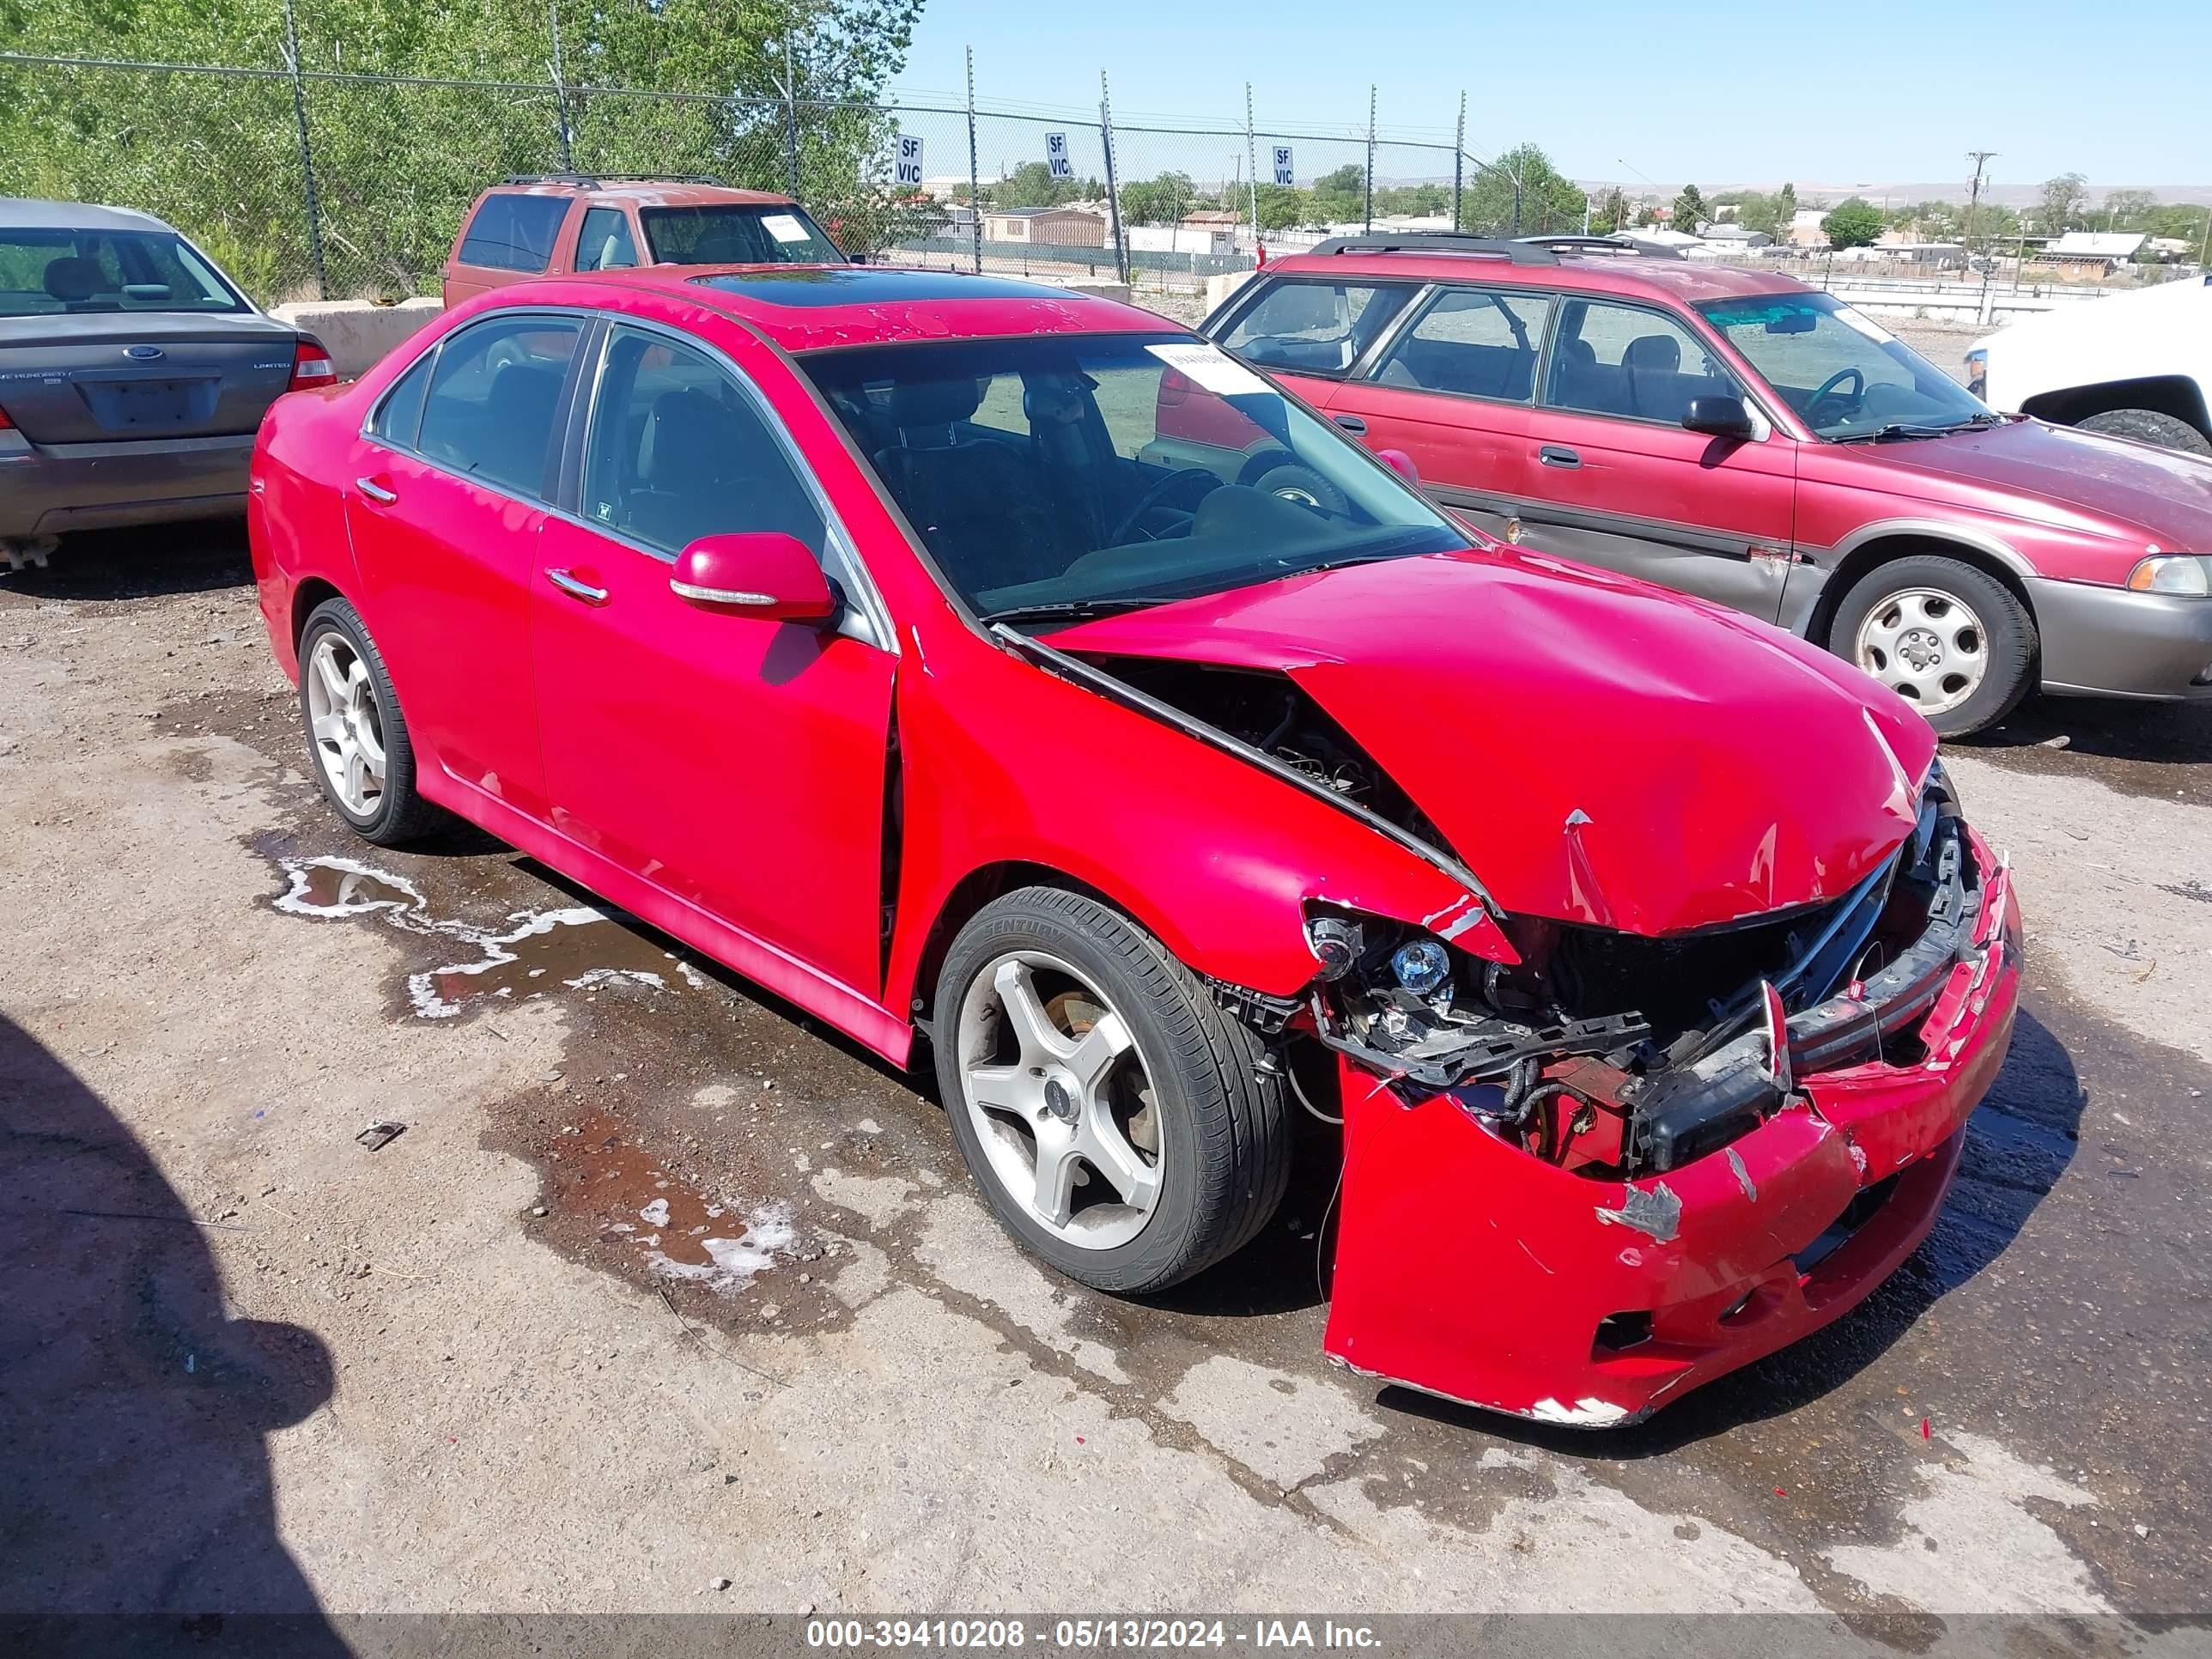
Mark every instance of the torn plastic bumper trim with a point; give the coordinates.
(1468, 1269)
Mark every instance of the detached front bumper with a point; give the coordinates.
(1468, 1269)
(2108, 643)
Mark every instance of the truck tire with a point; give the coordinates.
(2148, 426)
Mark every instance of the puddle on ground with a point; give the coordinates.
(678, 1233)
(537, 952)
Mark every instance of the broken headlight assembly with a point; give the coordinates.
(1612, 1054)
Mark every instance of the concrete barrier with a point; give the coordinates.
(1099, 289)
(354, 332)
(1218, 289)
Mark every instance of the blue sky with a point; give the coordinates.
(1717, 92)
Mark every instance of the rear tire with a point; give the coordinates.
(358, 746)
(2148, 426)
(1922, 622)
(1182, 1116)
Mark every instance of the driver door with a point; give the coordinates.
(733, 762)
(1612, 478)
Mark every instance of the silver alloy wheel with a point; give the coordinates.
(1061, 1100)
(1296, 493)
(1927, 645)
(346, 723)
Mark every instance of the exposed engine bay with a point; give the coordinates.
(1604, 1053)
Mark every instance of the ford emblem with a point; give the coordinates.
(143, 354)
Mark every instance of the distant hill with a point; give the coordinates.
(1813, 194)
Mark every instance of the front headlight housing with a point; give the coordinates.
(2182, 575)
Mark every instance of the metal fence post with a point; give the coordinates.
(790, 122)
(1112, 189)
(1252, 165)
(1370, 225)
(974, 184)
(306, 154)
(560, 92)
(1458, 159)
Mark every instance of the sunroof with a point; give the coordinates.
(849, 285)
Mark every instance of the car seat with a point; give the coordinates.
(705, 472)
(1652, 378)
(74, 281)
(977, 504)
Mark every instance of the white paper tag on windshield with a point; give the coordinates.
(1210, 370)
(783, 227)
(1865, 325)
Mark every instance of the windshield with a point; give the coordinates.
(770, 234)
(44, 272)
(1846, 375)
(1084, 471)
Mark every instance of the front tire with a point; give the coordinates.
(1951, 640)
(1113, 1113)
(357, 739)
(2148, 426)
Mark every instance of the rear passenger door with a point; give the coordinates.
(1613, 479)
(1452, 389)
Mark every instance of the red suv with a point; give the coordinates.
(1741, 437)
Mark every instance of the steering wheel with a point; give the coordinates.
(1153, 497)
(1828, 390)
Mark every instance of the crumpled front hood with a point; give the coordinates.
(1596, 750)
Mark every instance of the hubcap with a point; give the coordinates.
(1927, 645)
(1061, 1100)
(346, 724)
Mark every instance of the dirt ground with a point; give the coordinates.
(663, 1300)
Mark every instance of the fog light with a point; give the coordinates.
(1336, 944)
(1421, 965)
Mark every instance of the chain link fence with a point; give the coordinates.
(309, 184)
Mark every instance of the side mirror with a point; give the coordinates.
(1402, 464)
(763, 573)
(1718, 418)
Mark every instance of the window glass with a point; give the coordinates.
(1845, 373)
(1618, 360)
(1105, 469)
(513, 232)
(400, 414)
(45, 271)
(1314, 328)
(736, 233)
(678, 451)
(1476, 342)
(605, 243)
(493, 395)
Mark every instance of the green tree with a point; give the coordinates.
(1522, 193)
(1690, 210)
(1340, 196)
(396, 165)
(1609, 213)
(2059, 206)
(1161, 201)
(2126, 210)
(1284, 207)
(1852, 222)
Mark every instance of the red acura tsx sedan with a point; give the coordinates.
(833, 620)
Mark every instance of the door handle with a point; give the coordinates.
(1558, 455)
(375, 491)
(1350, 424)
(576, 587)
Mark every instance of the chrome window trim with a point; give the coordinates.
(866, 617)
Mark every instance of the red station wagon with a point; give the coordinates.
(834, 621)
(1741, 437)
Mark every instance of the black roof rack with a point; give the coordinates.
(1440, 242)
(594, 180)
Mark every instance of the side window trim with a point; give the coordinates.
(867, 618)
(1258, 291)
(372, 427)
(1543, 399)
(583, 321)
(1371, 366)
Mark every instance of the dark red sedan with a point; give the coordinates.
(835, 622)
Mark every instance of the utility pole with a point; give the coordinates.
(1980, 158)
(1113, 185)
(975, 185)
(1458, 159)
(1252, 166)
